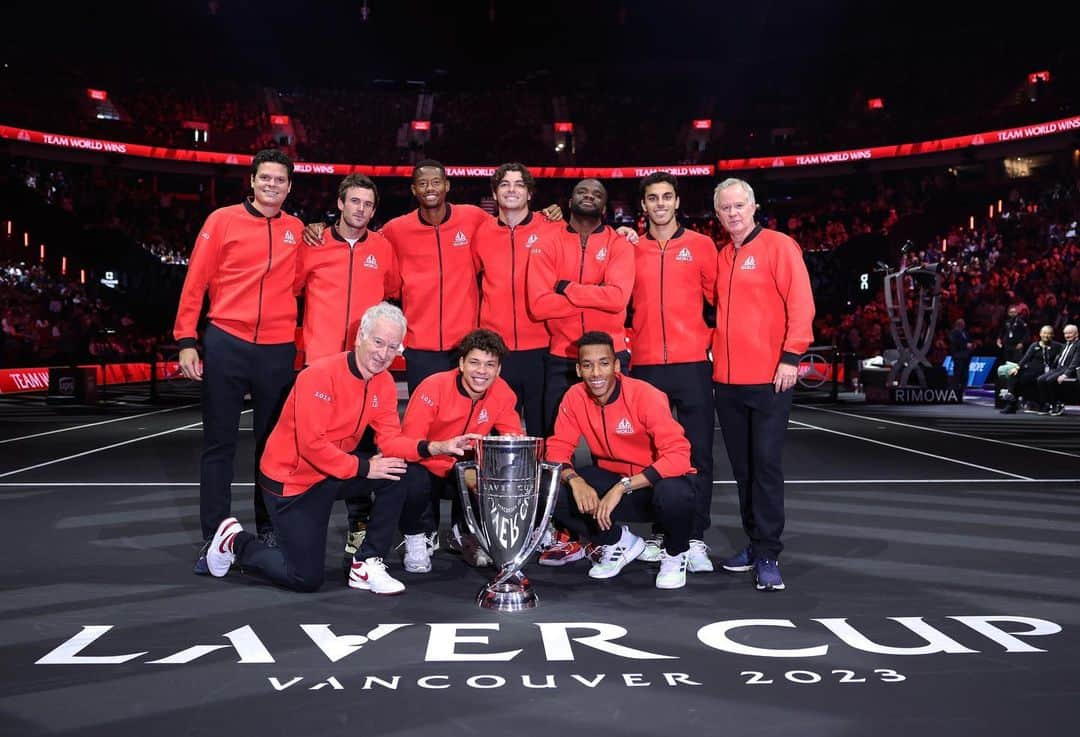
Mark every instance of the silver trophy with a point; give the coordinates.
(508, 502)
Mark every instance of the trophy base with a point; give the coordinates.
(510, 596)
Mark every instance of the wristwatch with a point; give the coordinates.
(625, 481)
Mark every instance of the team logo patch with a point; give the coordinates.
(290, 238)
(624, 427)
(371, 262)
(684, 255)
(204, 235)
(460, 239)
(749, 264)
(532, 239)
(482, 417)
(375, 402)
(601, 254)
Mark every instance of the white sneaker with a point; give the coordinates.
(417, 557)
(699, 557)
(432, 542)
(469, 548)
(549, 538)
(370, 575)
(672, 573)
(219, 555)
(653, 546)
(613, 558)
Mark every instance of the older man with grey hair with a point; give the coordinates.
(764, 323)
(1066, 366)
(312, 458)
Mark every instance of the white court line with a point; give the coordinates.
(105, 447)
(805, 482)
(916, 452)
(939, 430)
(95, 424)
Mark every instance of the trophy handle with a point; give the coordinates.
(466, 501)
(552, 487)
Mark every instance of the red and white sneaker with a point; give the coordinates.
(370, 575)
(219, 555)
(563, 551)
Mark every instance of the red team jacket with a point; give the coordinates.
(671, 284)
(436, 278)
(501, 256)
(633, 433)
(440, 409)
(324, 416)
(340, 282)
(764, 308)
(247, 262)
(598, 281)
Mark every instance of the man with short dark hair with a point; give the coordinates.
(641, 468)
(579, 279)
(245, 260)
(350, 270)
(473, 399)
(675, 275)
(312, 459)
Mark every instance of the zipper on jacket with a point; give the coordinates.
(513, 282)
(581, 278)
(348, 295)
(438, 252)
(663, 326)
(468, 417)
(262, 279)
(727, 318)
(363, 410)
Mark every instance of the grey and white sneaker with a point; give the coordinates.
(654, 546)
(672, 573)
(417, 557)
(613, 558)
(699, 557)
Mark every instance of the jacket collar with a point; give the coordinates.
(249, 205)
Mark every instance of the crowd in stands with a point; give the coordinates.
(50, 320)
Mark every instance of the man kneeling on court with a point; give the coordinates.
(471, 398)
(641, 457)
(311, 458)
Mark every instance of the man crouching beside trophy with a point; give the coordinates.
(642, 462)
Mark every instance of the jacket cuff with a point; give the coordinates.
(362, 467)
(422, 449)
(651, 474)
(187, 343)
(789, 358)
(561, 285)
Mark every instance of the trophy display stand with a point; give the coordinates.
(508, 495)
(913, 341)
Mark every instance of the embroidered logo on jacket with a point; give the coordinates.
(375, 402)
(624, 427)
(532, 239)
(601, 254)
(684, 255)
(323, 396)
(290, 239)
(371, 262)
(749, 264)
(460, 239)
(482, 417)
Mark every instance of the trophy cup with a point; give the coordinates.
(508, 510)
